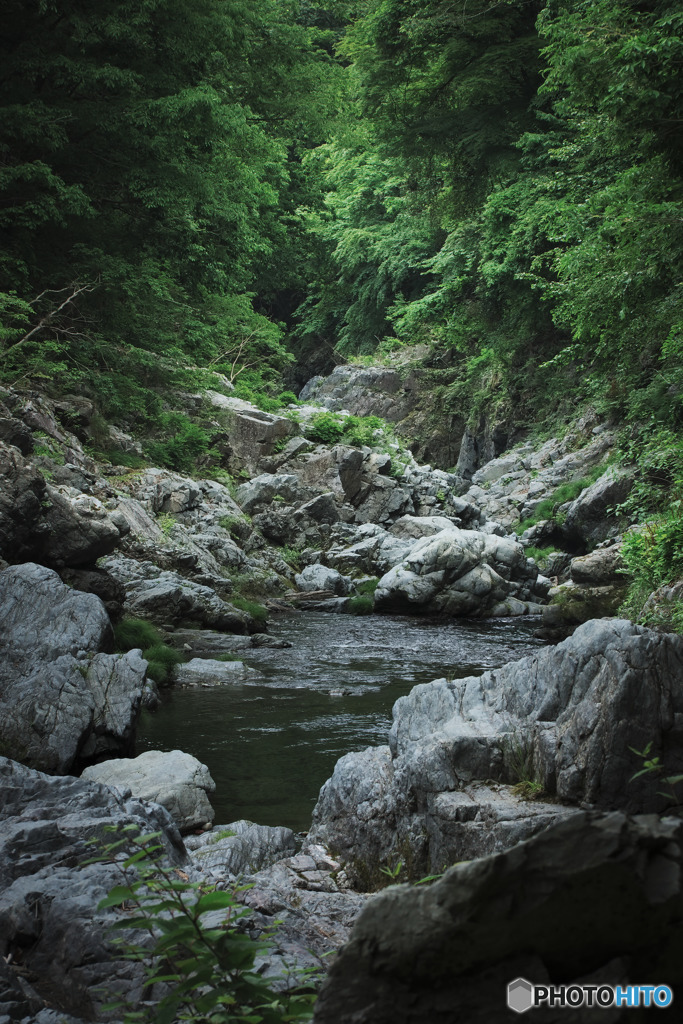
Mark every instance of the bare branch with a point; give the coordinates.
(76, 290)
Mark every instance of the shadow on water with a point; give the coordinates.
(270, 744)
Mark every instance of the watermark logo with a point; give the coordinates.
(523, 995)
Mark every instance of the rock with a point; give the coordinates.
(319, 577)
(177, 781)
(459, 572)
(562, 719)
(206, 672)
(60, 700)
(240, 848)
(54, 939)
(22, 510)
(263, 489)
(416, 527)
(590, 518)
(166, 597)
(448, 951)
(78, 529)
(15, 433)
(251, 433)
(265, 640)
(97, 581)
(312, 913)
(207, 643)
(600, 568)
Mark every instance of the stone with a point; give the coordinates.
(61, 699)
(600, 568)
(590, 518)
(251, 434)
(562, 718)
(177, 781)
(263, 489)
(54, 942)
(319, 577)
(78, 529)
(22, 506)
(459, 572)
(595, 897)
(207, 672)
(240, 848)
(167, 597)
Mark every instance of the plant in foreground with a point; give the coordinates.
(653, 766)
(196, 951)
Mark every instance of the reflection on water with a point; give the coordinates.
(271, 744)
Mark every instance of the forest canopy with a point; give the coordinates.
(188, 185)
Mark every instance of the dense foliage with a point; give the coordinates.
(147, 158)
(190, 186)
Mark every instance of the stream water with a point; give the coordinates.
(271, 743)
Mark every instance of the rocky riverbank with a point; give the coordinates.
(472, 766)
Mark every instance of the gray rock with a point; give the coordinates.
(562, 718)
(589, 518)
(207, 672)
(240, 848)
(166, 597)
(49, 921)
(177, 781)
(251, 433)
(597, 897)
(78, 529)
(60, 700)
(22, 494)
(319, 577)
(460, 572)
(263, 489)
(599, 568)
(313, 913)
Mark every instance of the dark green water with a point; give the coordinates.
(272, 743)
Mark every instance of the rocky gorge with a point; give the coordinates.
(513, 786)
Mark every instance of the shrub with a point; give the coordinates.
(160, 658)
(131, 633)
(326, 428)
(361, 605)
(368, 586)
(253, 608)
(207, 967)
(183, 444)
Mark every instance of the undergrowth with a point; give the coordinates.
(197, 948)
(161, 659)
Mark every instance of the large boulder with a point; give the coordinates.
(561, 722)
(167, 597)
(53, 938)
(174, 779)
(320, 577)
(61, 699)
(250, 433)
(460, 572)
(591, 517)
(595, 900)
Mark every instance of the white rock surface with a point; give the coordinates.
(177, 781)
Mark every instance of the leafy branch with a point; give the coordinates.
(197, 948)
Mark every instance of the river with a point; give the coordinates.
(271, 743)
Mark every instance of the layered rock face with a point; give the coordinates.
(50, 927)
(595, 900)
(562, 720)
(62, 700)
